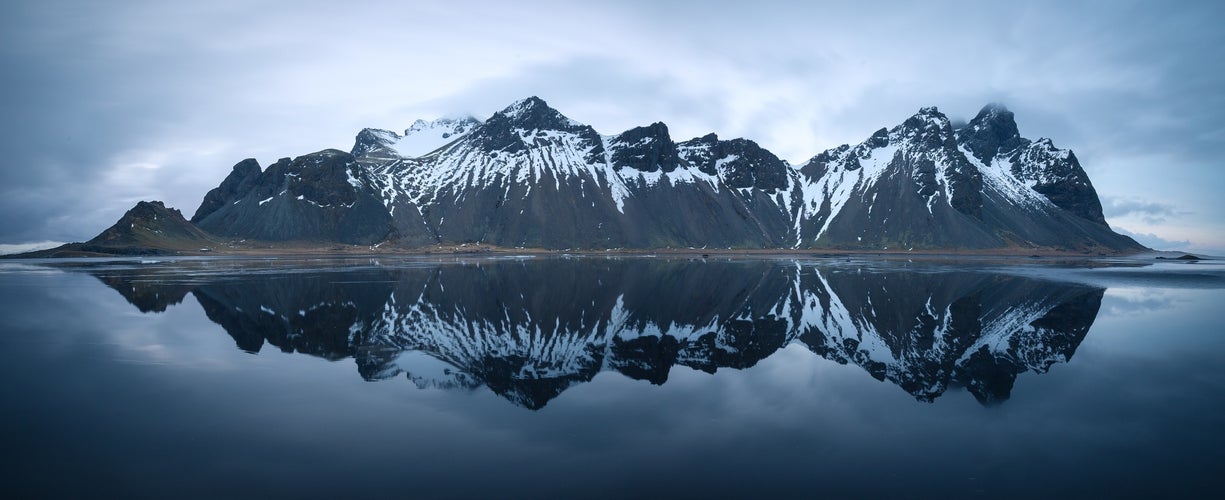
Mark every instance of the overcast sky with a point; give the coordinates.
(109, 103)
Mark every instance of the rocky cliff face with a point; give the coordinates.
(993, 139)
(234, 187)
(315, 197)
(528, 176)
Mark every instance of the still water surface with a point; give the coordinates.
(586, 377)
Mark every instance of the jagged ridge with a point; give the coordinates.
(530, 176)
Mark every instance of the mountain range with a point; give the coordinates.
(530, 177)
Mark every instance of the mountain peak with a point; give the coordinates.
(996, 115)
(455, 125)
(929, 128)
(994, 107)
(533, 113)
(507, 129)
(927, 118)
(242, 177)
(150, 224)
(646, 149)
(370, 139)
(525, 105)
(148, 207)
(1051, 172)
(992, 131)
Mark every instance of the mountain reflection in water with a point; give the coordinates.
(530, 328)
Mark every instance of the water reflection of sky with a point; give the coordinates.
(106, 399)
(1138, 301)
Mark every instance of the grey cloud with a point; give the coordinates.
(6, 249)
(1145, 305)
(1153, 241)
(1150, 211)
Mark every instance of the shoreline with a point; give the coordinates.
(292, 250)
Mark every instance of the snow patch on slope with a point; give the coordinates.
(998, 176)
(840, 182)
(425, 137)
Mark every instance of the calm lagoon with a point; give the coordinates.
(555, 377)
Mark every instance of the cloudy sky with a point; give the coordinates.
(109, 103)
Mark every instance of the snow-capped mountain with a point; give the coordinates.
(992, 139)
(527, 330)
(529, 176)
(908, 185)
